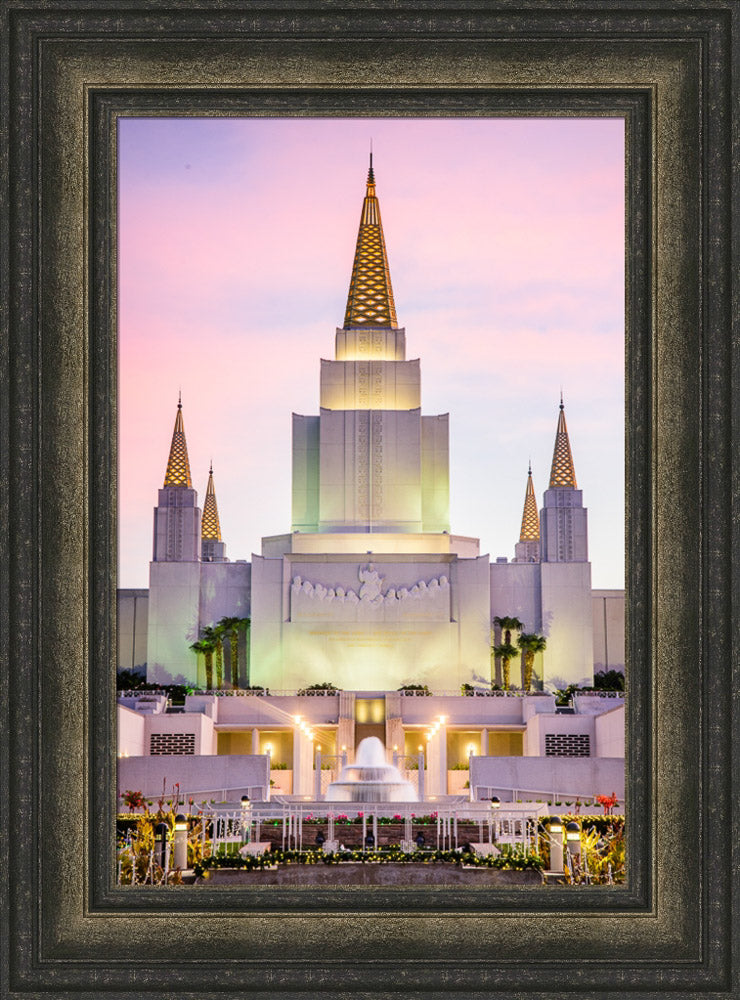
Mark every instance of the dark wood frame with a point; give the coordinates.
(69, 69)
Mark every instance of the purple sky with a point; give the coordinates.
(505, 240)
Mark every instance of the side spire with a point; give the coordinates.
(562, 473)
(178, 466)
(210, 526)
(530, 531)
(370, 300)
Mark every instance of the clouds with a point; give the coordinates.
(505, 241)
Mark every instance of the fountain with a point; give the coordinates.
(371, 778)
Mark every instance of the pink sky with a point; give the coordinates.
(505, 240)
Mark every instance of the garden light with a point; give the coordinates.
(160, 842)
(181, 842)
(246, 819)
(573, 839)
(555, 827)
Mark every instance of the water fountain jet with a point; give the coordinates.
(371, 778)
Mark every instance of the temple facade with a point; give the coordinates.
(370, 589)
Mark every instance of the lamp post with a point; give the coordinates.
(573, 842)
(246, 819)
(160, 843)
(420, 790)
(495, 805)
(181, 842)
(555, 830)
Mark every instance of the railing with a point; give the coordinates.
(255, 792)
(550, 796)
(475, 693)
(264, 693)
(322, 693)
(227, 826)
(599, 694)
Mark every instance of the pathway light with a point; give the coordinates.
(181, 842)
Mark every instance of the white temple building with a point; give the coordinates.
(370, 590)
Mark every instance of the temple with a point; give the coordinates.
(370, 590)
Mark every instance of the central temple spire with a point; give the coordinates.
(370, 300)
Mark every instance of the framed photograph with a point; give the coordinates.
(509, 260)
(74, 76)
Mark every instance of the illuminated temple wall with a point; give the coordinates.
(370, 621)
(370, 459)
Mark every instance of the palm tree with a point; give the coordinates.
(507, 652)
(530, 643)
(209, 637)
(218, 639)
(508, 625)
(204, 647)
(231, 627)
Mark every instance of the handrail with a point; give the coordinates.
(483, 792)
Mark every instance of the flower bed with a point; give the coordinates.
(506, 861)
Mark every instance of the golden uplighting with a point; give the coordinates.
(210, 526)
(370, 300)
(178, 466)
(562, 472)
(530, 530)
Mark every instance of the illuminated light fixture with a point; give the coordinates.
(395, 746)
(471, 749)
(297, 719)
(442, 719)
(344, 746)
(573, 838)
(268, 748)
(420, 747)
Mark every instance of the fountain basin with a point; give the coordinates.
(370, 778)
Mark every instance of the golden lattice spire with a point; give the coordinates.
(178, 466)
(530, 518)
(370, 299)
(562, 472)
(210, 527)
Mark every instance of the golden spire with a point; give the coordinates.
(530, 518)
(210, 527)
(562, 472)
(370, 299)
(178, 466)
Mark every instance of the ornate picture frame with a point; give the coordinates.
(70, 70)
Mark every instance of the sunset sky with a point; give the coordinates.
(505, 241)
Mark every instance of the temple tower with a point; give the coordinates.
(176, 516)
(563, 519)
(567, 617)
(527, 548)
(370, 462)
(212, 548)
